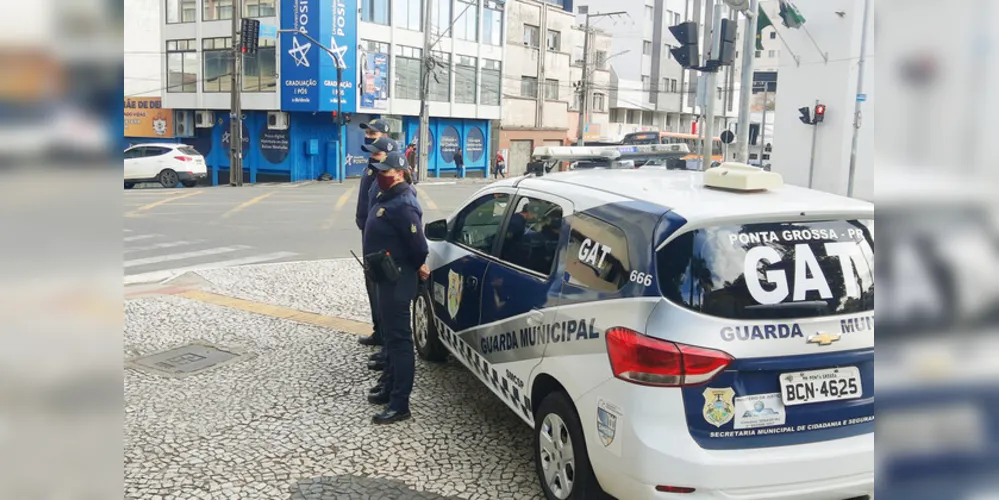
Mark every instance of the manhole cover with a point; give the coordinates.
(186, 360)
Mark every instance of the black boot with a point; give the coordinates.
(381, 398)
(370, 340)
(390, 417)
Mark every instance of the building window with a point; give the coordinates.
(672, 85)
(409, 14)
(466, 26)
(554, 41)
(492, 82)
(676, 18)
(598, 103)
(650, 13)
(529, 87)
(646, 82)
(260, 69)
(440, 79)
(759, 53)
(551, 90)
(442, 17)
(492, 23)
(259, 8)
(217, 10)
(773, 34)
(181, 11)
(577, 101)
(372, 79)
(465, 84)
(217, 72)
(601, 59)
(664, 86)
(577, 56)
(648, 118)
(647, 48)
(771, 53)
(408, 71)
(375, 11)
(532, 36)
(182, 65)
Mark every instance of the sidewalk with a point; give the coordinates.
(286, 417)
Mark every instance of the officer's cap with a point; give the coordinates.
(394, 161)
(378, 125)
(382, 144)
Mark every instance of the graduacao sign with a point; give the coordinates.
(308, 73)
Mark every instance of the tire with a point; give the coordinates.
(189, 184)
(168, 178)
(129, 185)
(425, 334)
(556, 430)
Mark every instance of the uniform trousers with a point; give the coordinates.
(397, 331)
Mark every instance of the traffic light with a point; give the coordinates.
(820, 113)
(250, 35)
(687, 54)
(726, 46)
(806, 115)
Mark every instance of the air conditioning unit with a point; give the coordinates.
(183, 123)
(277, 120)
(204, 119)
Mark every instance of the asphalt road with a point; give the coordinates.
(168, 231)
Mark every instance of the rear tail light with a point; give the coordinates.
(648, 361)
(183, 158)
(675, 489)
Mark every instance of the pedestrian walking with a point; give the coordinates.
(373, 131)
(396, 251)
(459, 162)
(411, 155)
(500, 168)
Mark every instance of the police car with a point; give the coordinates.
(666, 334)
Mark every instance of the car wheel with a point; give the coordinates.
(129, 185)
(560, 457)
(425, 334)
(189, 184)
(168, 178)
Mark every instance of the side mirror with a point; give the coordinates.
(436, 230)
(536, 167)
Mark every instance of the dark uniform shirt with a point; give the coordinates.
(374, 193)
(395, 225)
(363, 195)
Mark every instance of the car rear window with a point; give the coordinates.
(771, 270)
(188, 150)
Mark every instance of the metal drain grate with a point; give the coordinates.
(186, 360)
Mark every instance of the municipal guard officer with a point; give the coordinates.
(395, 227)
(373, 131)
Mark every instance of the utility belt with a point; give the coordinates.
(382, 267)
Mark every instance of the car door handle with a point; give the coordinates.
(472, 282)
(535, 318)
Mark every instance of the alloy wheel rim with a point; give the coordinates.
(558, 461)
(420, 306)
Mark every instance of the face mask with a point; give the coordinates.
(369, 140)
(385, 182)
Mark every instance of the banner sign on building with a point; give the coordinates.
(145, 117)
(309, 73)
(374, 79)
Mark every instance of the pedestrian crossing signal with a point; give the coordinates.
(250, 36)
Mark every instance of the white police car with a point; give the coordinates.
(664, 338)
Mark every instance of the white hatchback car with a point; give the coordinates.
(667, 334)
(167, 164)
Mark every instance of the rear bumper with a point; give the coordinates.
(656, 449)
(191, 176)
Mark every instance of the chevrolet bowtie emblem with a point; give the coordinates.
(823, 338)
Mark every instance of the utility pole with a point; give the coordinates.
(763, 123)
(856, 106)
(584, 83)
(712, 19)
(236, 111)
(745, 88)
(424, 136)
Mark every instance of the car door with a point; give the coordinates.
(461, 262)
(154, 160)
(133, 162)
(520, 289)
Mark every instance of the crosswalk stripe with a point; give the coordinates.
(157, 276)
(184, 255)
(140, 237)
(167, 244)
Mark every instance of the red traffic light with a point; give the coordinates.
(820, 112)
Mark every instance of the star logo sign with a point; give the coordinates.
(300, 52)
(340, 53)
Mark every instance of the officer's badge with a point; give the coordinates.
(371, 172)
(413, 228)
(718, 406)
(381, 211)
(454, 285)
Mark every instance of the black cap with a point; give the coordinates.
(382, 144)
(392, 161)
(378, 125)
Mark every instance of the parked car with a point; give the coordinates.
(166, 164)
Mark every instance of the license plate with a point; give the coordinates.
(819, 386)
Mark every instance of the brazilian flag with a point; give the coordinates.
(761, 23)
(790, 16)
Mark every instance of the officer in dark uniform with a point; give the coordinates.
(374, 131)
(395, 226)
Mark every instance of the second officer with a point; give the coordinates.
(393, 238)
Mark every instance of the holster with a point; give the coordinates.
(381, 267)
